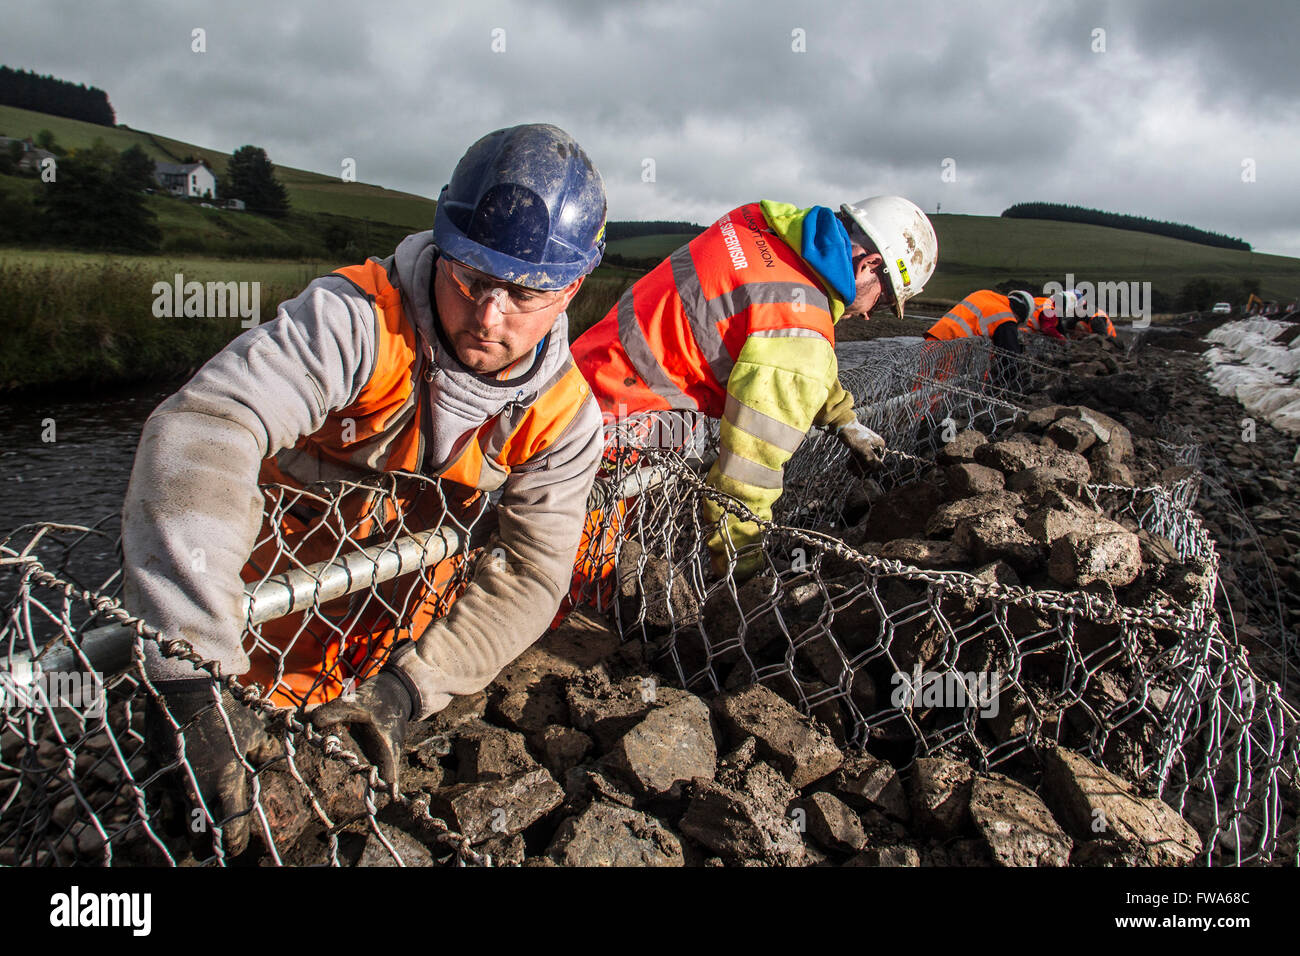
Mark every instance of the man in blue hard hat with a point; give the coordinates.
(449, 358)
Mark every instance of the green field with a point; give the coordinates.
(200, 268)
(980, 251)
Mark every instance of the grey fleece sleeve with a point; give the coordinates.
(192, 509)
(513, 596)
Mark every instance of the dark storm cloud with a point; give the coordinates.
(1017, 95)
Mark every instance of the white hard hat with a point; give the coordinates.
(905, 238)
(1026, 300)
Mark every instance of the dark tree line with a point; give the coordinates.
(250, 176)
(1096, 217)
(96, 201)
(48, 94)
(630, 230)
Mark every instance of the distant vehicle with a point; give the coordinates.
(208, 205)
(1222, 308)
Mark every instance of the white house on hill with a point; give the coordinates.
(188, 179)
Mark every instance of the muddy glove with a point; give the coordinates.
(866, 447)
(210, 750)
(376, 716)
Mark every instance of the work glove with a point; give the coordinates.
(211, 751)
(376, 716)
(866, 447)
(742, 566)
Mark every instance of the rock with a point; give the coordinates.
(1157, 549)
(961, 448)
(1078, 560)
(650, 583)
(902, 512)
(1106, 472)
(528, 695)
(1011, 455)
(608, 711)
(941, 795)
(799, 748)
(995, 536)
(563, 748)
(1072, 434)
(506, 850)
(945, 518)
(868, 781)
(484, 752)
(606, 834)
(765, 784)
(886, 856)
(1033, 484)
(1060, 515)
(924, 553)
(483, 810)
(968, 478)
(1092, 803)
(671, 745)
(999, 572)
(462, 709)
(832, 824)
(1016, 824)
(587, 782)
(411, 851)
(737, 827)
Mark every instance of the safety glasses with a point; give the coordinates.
(510, 299)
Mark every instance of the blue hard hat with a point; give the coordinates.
(525, 205)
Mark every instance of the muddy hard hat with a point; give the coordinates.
(525, 205)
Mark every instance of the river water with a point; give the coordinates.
(81, 475)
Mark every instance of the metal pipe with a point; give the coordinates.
(108, 649)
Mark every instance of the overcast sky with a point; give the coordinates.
(1155, 116)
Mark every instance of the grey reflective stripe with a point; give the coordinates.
(769, 429)
(750, 472)
(788, 334)
(767, 293)
(700, 313)
(987, 321)
(643, 358)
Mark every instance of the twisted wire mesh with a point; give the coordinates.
(1156, 692)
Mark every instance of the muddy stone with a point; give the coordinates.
(941, 795)
(606, 834)
(961, 448)
(1016, 824)
(995, 536)
(1078, 560)
(886, 856)
(737, 827)
(802, 751)
(832, 824)
(1083, 795)
(945, 518)
(563, 748)
(411, 850)
(969, 478)
(507, 806)
(924, 553)
(867, 781)
(670, 746)
(608, 711)
(484, 752)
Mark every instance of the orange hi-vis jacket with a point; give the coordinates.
(1101, 324)
(980, 313)
(736, 325)
(673, 338)
(384, 430)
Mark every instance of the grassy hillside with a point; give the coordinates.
(980, 251)
(308, 192)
